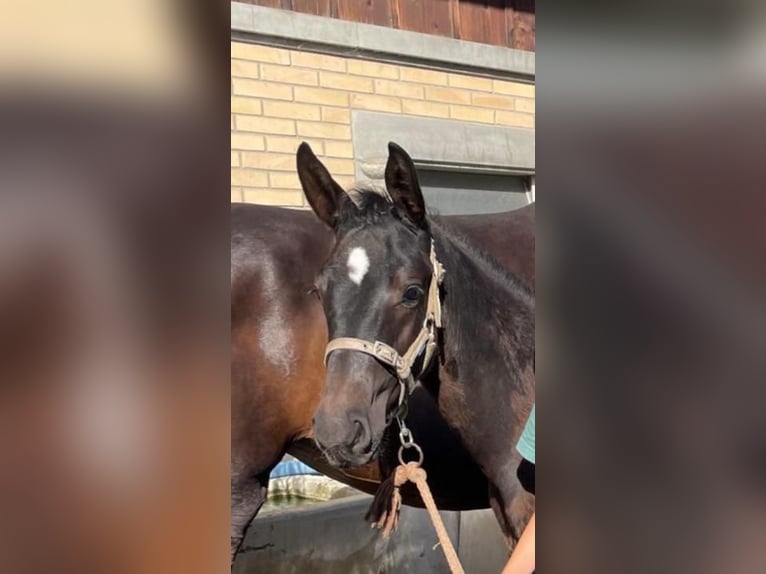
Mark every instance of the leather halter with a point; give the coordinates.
(425, 342)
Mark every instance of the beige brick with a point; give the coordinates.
(317, 61)
(236, 195)
(324, 130)
(419, 108)
(281, 197)
(290, 144)
(398, 89)
(247, 141)
(291, 110)
(448, 95)
(321, 96)
(470, 114)
(246, 106)
(288, 75)
(345, 181)
(515, 119)
(513, 88)
(470, 82)
(422, 76)
(244, 69)
(525, 105)
(265, 125)
(336, 115)
(235, 159)
(287, 180)
(262, 89)
(374, 69)
(377, 103)
(259, 53)
(344, 82)
(339, 149)
(496, 101)
(339, 166)
(249, 178)
(269, 161)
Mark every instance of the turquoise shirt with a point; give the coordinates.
(526, 444)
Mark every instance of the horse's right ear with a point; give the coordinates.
(321, 190)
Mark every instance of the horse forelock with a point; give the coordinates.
(363, 206)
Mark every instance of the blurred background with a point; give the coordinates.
(651, 302)
(113, 287)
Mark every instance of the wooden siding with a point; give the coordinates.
(508, 23)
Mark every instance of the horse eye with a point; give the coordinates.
(412, 295)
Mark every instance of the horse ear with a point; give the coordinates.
(321, 190)
(402, 184)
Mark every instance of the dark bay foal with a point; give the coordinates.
(275, 256)
(374, 286)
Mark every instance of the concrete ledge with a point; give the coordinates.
(315, 33)
(442, 144)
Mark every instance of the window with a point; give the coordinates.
(463, 167)
(457, 192)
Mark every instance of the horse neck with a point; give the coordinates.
(487, 355)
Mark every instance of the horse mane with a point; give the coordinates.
(488, 264)
(484, 297)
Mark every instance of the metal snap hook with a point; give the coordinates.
(405, 437)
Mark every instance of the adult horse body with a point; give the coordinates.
(383, 300)
(278, 338)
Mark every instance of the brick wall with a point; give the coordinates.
(281, 97)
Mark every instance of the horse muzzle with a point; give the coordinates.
(345, 442)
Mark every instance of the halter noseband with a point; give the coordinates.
(424, 342)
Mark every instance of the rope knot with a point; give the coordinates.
(411, 471)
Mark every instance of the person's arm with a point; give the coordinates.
(522, 561)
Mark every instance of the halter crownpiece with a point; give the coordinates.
(424, 342)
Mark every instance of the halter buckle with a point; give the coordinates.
(429, 323)
(386, 354)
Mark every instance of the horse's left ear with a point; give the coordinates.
(402, 184)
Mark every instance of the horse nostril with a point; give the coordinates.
(361, 439)
(359, 432)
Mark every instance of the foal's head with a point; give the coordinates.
(373, 287)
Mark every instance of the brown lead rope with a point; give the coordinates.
(413, 472)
